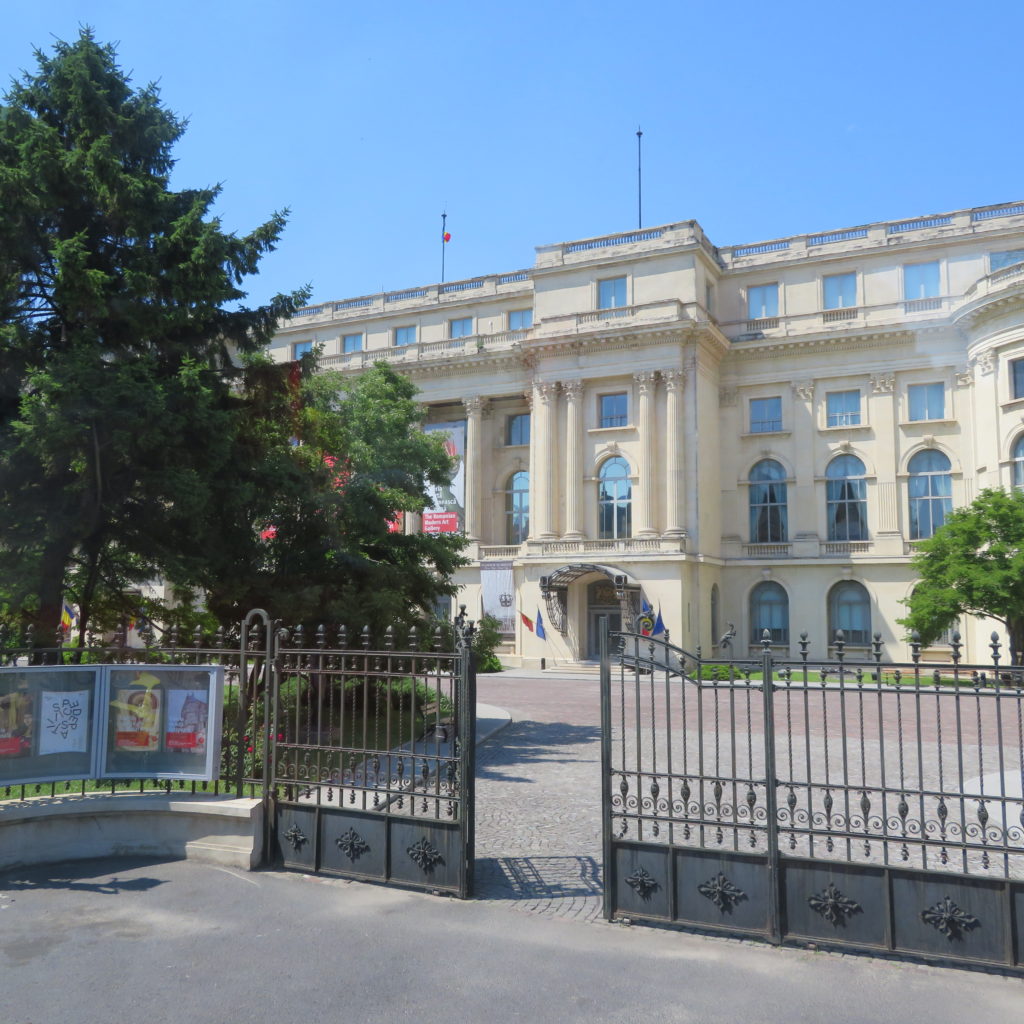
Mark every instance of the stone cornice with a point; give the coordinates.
(990, 306)
(853, 342)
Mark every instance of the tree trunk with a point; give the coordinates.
(1015, 641)
(45, 620)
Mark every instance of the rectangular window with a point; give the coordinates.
(842, 408)
(765, 415)
(926, 402)
(520, 319)
(1017, 378)
(405, 336)
(762, 301)
(920, 281)
(613, 410)
(517, 429)
(998, 260)
(301, 348)
(611, 293)
(461, 328)
(840, 290)
(352, 343)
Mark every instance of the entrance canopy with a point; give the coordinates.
(554, 588)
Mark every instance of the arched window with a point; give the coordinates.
(846, 499)
(931, 492)
(1017, 454)
(768, 514)
(849, 609)
(517, 508)
(769, 609)
(614, 498)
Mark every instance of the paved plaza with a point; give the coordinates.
(538, 839)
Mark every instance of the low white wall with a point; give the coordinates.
(47, 830)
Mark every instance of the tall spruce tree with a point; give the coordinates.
(120, 311)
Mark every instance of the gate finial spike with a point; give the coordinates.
(915, 646)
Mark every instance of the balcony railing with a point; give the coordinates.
(767, 550)
(921, 305)
(916, 225)
(499, 551)
(620, 544)
(834, 316)
(846, 547)
(765, 323)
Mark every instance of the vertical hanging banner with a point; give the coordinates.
(498, 589)
(449, 512)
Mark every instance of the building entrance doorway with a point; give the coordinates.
(604, 614)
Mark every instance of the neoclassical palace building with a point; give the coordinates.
(752, 436)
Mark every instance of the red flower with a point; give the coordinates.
(249, 749)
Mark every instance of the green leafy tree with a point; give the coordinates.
(120, 313)
(308, 523)
(973, 565)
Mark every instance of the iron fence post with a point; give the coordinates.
(770, 788)
(466, 741)
(606, 774)
(467, 762)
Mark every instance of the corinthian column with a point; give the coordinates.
(474, 439)
(543, 444)
(573, 458)
(674, 381)
(646, 384)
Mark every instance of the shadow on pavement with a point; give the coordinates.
(526, 878)
(527, 742)
(81, 876)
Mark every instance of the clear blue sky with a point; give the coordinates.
(367, 119)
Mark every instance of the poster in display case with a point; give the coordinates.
(47, 723)
(163, 721)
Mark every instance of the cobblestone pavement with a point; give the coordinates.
(538, 798)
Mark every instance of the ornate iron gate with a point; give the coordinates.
(369, 773)
(845, 802)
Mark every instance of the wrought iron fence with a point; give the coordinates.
(370, 771)
(769, 773)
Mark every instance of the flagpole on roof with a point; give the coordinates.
(444, 240)
(639, 182)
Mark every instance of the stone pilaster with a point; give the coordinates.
(674, 452)
(573, 459)
(543, 449)
(646, 383)
(474, 460)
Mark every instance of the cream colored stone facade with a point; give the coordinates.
(878, 342)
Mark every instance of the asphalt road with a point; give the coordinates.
(179, 941)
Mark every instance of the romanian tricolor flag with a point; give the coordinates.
(527, 621)
(446, 237)
(67, 617)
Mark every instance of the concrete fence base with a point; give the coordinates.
(48, 830)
